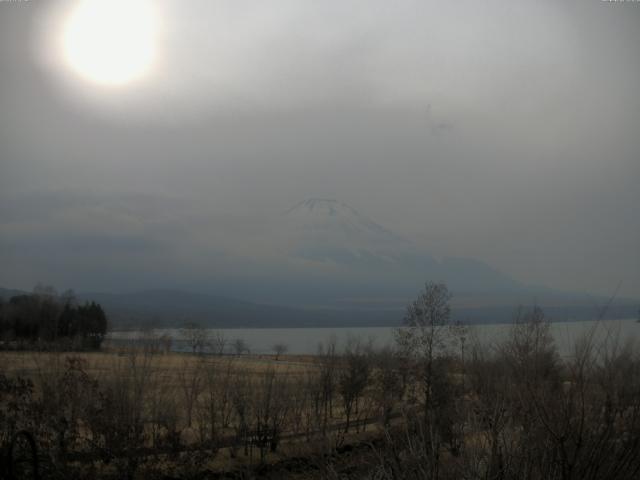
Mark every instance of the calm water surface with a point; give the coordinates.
(306, 340)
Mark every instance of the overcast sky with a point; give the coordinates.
(504, 131)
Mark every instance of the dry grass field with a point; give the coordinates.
(218, 413)
(514, 410)
(32, 364)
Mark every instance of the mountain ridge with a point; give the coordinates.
(165, 308)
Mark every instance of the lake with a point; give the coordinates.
(306, 340)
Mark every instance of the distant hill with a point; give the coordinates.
(7, 293)
(173, 308)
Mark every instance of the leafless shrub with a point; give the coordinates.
(219, 342)
(270, 407)
(196, 337)
(190, 377)
(353, 379)
(215, 405)
(240, 346)
(117, 420)
(279, 349)
(388, 385)
(328, 363)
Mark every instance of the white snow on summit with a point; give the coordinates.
(328, 230)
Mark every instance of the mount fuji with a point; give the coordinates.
(368, 259)
(326, 230)
(322, 263)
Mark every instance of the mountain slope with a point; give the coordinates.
(328, 230)
(328, 233)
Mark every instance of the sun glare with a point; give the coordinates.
(110, 42)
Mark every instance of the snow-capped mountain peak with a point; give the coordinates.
(322, 229)
(328, 215)
(330, 232)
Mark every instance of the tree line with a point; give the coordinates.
(45, 317)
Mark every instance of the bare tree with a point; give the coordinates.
(328, 359)
(279, 349)
(116, 421)
(388, 382)
(424, 339)
(219, 342)
(270, 408)
(215, 406)
(166, 341)
(240, 346)
(190, 378)
(461, 333)
(425, 334)
(353, 379)
(196, 337)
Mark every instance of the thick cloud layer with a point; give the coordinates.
(507, 132)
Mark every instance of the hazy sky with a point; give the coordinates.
(503, 131)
